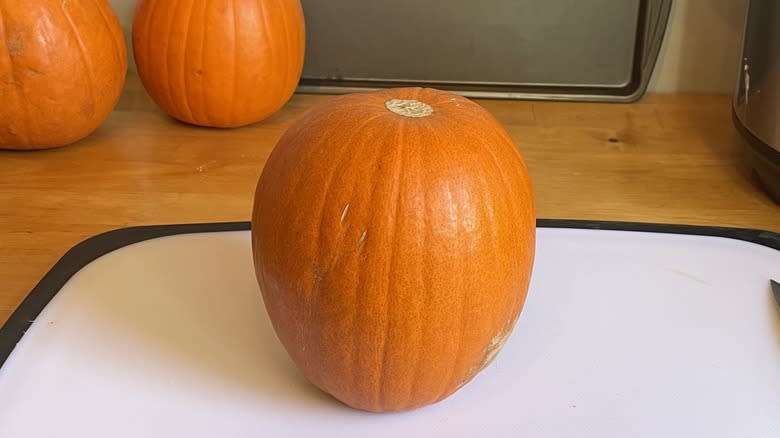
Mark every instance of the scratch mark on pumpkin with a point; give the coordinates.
(321, 273)
(33, 73)
(344, 213)
(205, 166)
(303, 328)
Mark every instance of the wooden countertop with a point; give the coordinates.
(667, 158)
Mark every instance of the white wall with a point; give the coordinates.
(701, 49)
(700, 53)
(124, 10)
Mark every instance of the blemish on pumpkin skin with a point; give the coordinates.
(491, 352)
(33, 73)
(344, 213)
(317, 278)
(496, 344)
(88, 109)
(362, 238)
(15, 47)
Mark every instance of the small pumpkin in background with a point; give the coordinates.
(393, 236)
(62, 69)
(219, 63)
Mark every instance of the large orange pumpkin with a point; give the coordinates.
(219, 63)
(62, 69)
(393, 235)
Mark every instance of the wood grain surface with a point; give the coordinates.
(667, 158)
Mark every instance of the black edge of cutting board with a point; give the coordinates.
(87, 251)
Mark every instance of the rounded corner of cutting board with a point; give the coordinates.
(79, 256)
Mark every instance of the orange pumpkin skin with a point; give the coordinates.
(62, 68)
(219, 63)
(394, 253)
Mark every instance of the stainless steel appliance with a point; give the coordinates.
(757, 96)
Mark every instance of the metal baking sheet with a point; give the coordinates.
(558, 49)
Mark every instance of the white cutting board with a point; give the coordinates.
(624, 334)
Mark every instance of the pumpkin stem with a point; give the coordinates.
(409, 108)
